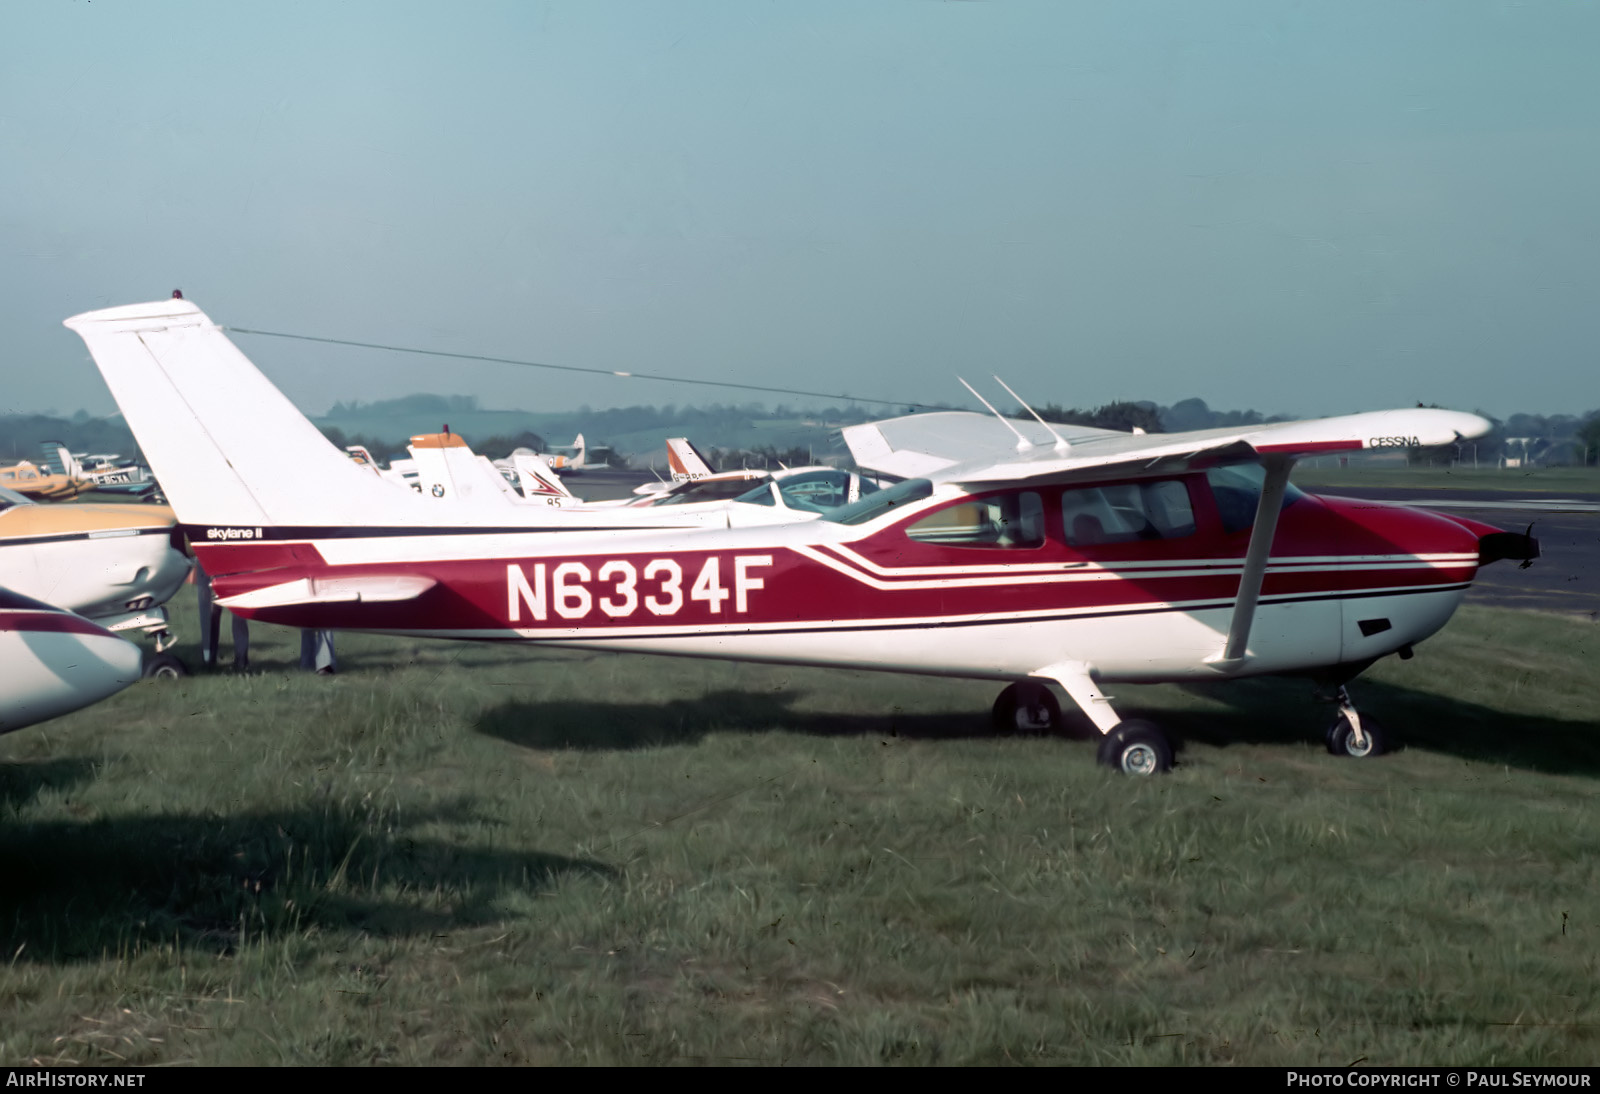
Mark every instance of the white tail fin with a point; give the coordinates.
(685, 460)
(229, 448)
(448, 468)
(536, 478)
(56, 453)
(570, 460)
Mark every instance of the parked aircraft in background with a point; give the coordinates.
(1038, 556)
(533, 477)
(685, 461)
(801, 491)
(107, 473)
(746, 497)
(569, 457)
(55, 661)
(34, 481)
(442, 465)
(115, 564)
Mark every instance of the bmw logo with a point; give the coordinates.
(438, 489)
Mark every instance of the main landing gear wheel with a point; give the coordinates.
(1342, 737)
(1027, 707)
(1136, 748)
(165, 666)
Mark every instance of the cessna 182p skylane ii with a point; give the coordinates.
(1017, 552)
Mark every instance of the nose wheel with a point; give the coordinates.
(1355, 734)
(165, 666)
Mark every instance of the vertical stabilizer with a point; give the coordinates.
(685, 460)
(229, 448)
(536, 478)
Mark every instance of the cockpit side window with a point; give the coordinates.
(1005, 520)
(1236, 488)
(1125, 512)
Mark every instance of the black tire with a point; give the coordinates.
(1341, 738)
(1136, 748)
(164, 666)
(1027, 708)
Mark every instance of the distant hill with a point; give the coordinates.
(21, 435)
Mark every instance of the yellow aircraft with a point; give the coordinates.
(114, 564)
(33, 481)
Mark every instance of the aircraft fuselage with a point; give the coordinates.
(946, 584)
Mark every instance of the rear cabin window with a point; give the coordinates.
(1127, 512)
(1009, 520)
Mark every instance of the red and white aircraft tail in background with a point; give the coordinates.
(685, 460)
(1034, 555)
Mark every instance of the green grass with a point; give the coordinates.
(473, 854)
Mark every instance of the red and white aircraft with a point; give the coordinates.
(1019, 552)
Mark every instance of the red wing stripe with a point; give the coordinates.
(53, 622)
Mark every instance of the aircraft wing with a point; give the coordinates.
(965, 447)
(920, 445)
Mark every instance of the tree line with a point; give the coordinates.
(1553, 438)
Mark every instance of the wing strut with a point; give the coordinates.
(1076, 680)
(1255, 561)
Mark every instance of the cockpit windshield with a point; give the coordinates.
(871, 506)
(1237, 490)
(705, 490)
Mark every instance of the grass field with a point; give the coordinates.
(473, 854)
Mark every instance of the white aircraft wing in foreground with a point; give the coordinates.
(1040, 561)
(56, 662)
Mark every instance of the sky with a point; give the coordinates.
(1306, 208)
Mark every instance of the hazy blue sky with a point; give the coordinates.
(1313, 208)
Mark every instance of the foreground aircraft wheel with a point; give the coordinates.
(1027, 708)
(1341, 738)
(165, 666)
(1136, 748)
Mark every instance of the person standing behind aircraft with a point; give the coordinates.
(210, 616)
(316, 652)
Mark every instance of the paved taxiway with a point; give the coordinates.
(1566, 576)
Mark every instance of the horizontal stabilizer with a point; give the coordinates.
(364, 589)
